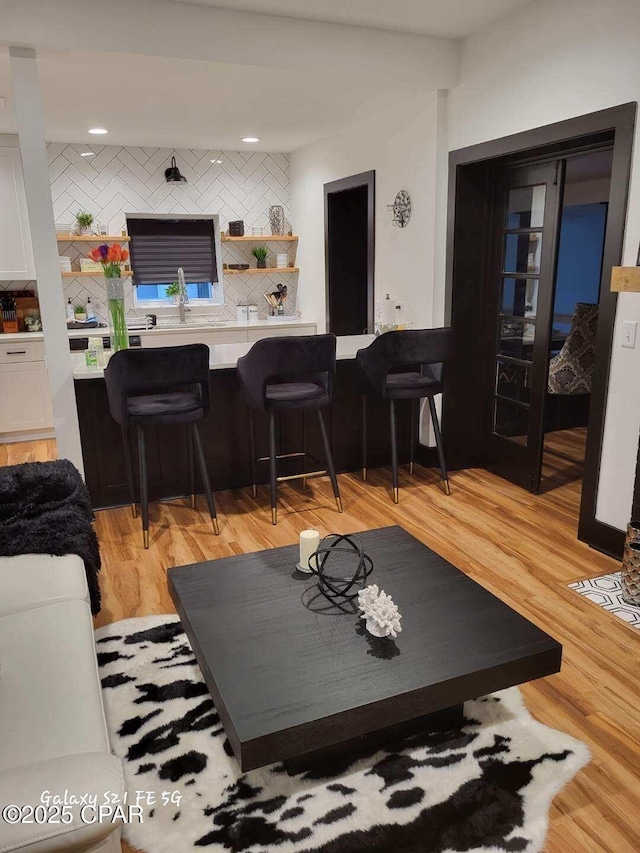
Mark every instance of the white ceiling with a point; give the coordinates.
(166, 102)
(446, 18)
(207, 72)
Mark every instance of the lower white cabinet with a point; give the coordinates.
(280, 331)
(25, 398)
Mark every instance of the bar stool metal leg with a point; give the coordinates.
(394, 450)
(192, 468)
(415, 408)
(204, 474)
(364, 438)
(436, 430)
(272, 468)
(129, 469)
(329, 458)
(144, 491)
(252, 452)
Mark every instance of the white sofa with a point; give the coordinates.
(53, 736)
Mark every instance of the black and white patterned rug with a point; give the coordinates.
(485, 787)
(606, 591)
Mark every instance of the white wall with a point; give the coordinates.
(549, 61)
(401, 146)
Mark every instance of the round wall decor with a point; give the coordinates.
(401, 208)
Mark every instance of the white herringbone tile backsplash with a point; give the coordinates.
(120, 180)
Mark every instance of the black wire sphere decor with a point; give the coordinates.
(341, 565)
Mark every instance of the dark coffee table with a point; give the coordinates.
(294, 679)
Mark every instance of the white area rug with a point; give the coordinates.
(606, 591)
(483, 788)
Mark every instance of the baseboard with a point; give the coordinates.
(602, 537)
(14, 437)
(427, 456)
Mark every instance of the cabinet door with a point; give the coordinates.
(25, 399)
(280, 331)
(16, 255)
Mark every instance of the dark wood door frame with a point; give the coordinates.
(363, 179)
(469, 177)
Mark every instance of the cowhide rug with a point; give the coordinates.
(485, 787)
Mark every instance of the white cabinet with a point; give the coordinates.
(16, 255)
(25, 399)
(280, 331)
(202, 336)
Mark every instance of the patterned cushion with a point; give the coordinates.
(571, 371)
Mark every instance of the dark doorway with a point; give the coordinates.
(475, 211)
(349, 206)
(582, 230)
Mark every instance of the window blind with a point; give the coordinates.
(159, 246)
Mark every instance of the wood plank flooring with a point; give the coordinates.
(522, 547)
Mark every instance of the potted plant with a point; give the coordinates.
(173, 290)
(260, 254)
(80, 313)
(84, 221)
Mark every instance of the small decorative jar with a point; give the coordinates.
(630, 574)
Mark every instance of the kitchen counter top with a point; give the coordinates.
(229, 325)
(225, 356)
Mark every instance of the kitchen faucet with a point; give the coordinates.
(183, 296)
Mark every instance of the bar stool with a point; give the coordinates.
(160, 387)
(406, 365)
(286, 374)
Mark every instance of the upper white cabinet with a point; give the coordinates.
(16, 255)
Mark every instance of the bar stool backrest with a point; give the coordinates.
(291, 358)
(393, 351)
(136, 372)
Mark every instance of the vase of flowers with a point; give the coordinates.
(112, 257)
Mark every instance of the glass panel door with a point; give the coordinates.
(520, 316)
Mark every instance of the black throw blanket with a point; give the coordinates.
(45, 509)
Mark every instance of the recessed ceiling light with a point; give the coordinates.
(215, 161)
(98, 131)
(87, 153)
(251, 139)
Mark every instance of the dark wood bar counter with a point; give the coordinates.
(225, 433)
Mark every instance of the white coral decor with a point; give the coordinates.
(383, 619)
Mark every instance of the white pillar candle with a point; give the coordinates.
(309, 541)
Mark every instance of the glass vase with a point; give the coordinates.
(117, 321)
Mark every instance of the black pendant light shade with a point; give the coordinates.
(172, 174)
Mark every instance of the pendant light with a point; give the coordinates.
(172, 174)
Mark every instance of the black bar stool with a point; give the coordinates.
(160, 387)
(406, 365)
(286, 374)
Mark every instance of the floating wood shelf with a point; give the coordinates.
(282, 238)
(93, 238)
(81, 274)
(253, 271)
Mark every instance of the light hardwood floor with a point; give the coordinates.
(522, 547)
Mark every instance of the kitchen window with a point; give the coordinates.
(161, 244)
